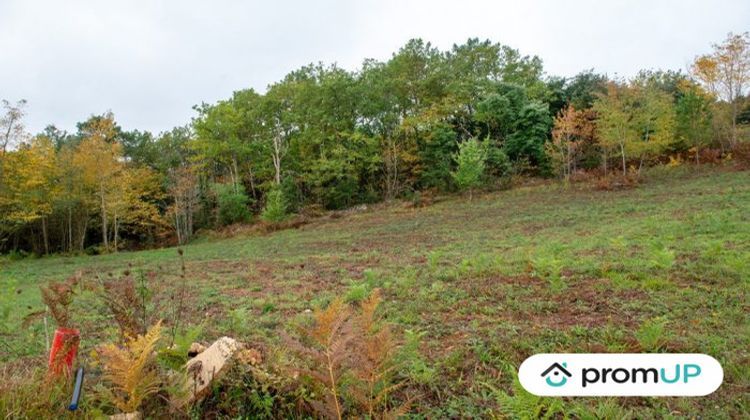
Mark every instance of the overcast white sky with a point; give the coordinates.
(150, 61)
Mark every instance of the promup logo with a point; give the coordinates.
(620, 374)
(557, 374)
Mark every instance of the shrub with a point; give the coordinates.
(613, 182)
(276, 207)
(471, 160)
(741, 155)
(232, 202)
(498, 164)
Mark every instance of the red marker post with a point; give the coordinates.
(63, 351)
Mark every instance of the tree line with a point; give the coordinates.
(425, 119)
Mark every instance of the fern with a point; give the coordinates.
(130, 370)
(359, 345)
(523, 405)
(329, 337)
(122, 297)
(651, 334)
(373, 360)
(58, 296)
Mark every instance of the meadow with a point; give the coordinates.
(472, 287)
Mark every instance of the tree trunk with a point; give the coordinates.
(45, 238)
(734, 124)
(83, 232)
(624, 168)
(235, 173)
(70, 230)
(104, 217)
(252, 184)
(114, 230)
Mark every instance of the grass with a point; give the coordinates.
(475, 287)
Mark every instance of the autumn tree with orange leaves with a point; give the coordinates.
(573, 131)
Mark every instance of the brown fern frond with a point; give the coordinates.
(122, 299)
(359, 344)
(329, 336)
(58, 296)
(373, 365)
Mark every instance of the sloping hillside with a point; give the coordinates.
(480, 284)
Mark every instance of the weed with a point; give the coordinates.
(357, 292)
(548, 266)
(660, 257)
(651, 334)
(524, 405)
(175, 356)
(416, 367)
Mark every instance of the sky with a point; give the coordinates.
(150, 61)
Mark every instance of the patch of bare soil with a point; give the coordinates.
(588, 303)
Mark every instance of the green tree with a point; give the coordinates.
(275, 209)
(232, 202)
(693, 113)
(470, 164)
(521, 125)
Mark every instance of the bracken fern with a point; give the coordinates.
(130, 370)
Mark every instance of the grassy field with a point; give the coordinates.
(477, 286)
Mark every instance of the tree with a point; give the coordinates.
(276, 206)
(228, 136)
(277, 113)
(583, 89)
(615, 122)
(99, 158)
(133, 203)
(573, 130)
(653, 115)
(635, 120)
(183, 189)
(521, 125)
(232, 204)
(693, 113)
(29, 188)
(726, 72)
(396, 94)
(470, 160)
(12, 131)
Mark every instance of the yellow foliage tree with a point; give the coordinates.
(101, 164)
(28, 186)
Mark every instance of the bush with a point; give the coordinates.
(498, 163)
(471, 159)
(232, 202)
(741, 155)
(276, 207)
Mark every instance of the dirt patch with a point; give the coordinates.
(588, 303)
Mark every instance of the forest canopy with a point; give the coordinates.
(424, 120)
